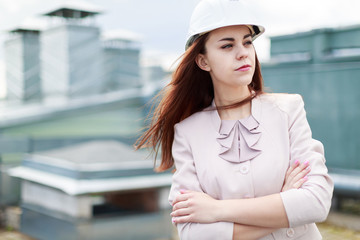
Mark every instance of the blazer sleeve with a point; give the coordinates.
(310, 203)
(185, 177)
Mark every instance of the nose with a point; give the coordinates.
(241, 52)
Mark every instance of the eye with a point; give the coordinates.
(248, 43)
(227, 46)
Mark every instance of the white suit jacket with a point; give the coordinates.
(248, 158)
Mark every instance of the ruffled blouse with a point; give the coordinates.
(239, 139)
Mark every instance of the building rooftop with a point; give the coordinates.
(33, 24)
(24, 30)
(93, 167)
(75, 9)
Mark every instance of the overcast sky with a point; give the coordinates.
(163, 23)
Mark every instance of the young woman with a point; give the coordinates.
(246, 166)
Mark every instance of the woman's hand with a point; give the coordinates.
(296, 175)
(192, 206)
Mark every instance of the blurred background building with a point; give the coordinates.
(70, 57)
(71, 54)
(73, 87)
(23, 72)
(323, 65)
(121, 58)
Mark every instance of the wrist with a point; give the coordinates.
(220, 210)
(230, 210)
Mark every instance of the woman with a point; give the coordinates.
(232, 144)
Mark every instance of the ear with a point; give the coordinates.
(201, 61)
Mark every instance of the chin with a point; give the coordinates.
(242, 83)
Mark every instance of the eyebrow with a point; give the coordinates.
(233, 39)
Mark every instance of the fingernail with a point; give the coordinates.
(182, 190)
(173, 220)
(306, 162)
(305, 178)
(296, 162)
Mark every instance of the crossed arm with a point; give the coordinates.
(252, 218)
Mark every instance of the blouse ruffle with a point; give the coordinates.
(239, 139)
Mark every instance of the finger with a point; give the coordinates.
(288, 171)
(299, 169)
(182, 219)
(182, 191)
(302, 173)
(180, 212)
(301, 181)
(293, 182)
(295, 164)
(304, 164)
(292, 167)
(179, 205)
(180, 198)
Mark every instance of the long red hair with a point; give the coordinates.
(190, 90)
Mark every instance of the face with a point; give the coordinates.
(229, 57)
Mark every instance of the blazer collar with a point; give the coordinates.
(255, 112)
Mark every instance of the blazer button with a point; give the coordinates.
(290, 232)
(244, 169)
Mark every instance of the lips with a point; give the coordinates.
(244, 68)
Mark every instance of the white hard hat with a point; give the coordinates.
(212, 14)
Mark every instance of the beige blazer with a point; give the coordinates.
(248, 158)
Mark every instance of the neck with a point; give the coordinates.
(230, 97)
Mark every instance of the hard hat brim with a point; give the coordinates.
(256, 31)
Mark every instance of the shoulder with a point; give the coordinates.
(284, 102)
(195, 121)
